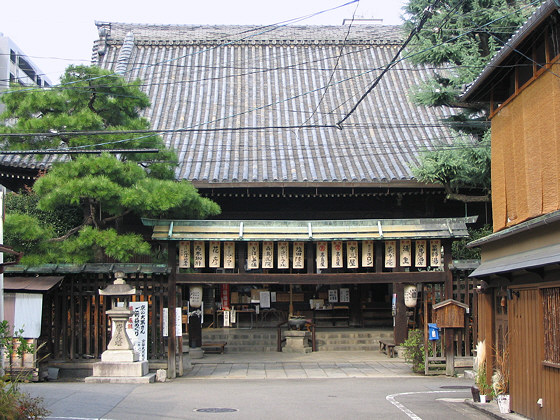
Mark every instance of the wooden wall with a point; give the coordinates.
(530, 379)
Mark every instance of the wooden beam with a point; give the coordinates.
(323, 278)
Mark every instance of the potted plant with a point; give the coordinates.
(481, 388)
(500, 379)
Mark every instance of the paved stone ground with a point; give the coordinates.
(296, 366)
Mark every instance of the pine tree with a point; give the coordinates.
(103, 189)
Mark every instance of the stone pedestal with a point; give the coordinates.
(119, 363)
(297, 342)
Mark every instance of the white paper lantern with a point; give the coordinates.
(410, 295)
(195, 298)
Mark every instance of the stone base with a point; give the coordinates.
(296, 342)
(146, 379)
(116, 369)
(114, 356)
(196, 353)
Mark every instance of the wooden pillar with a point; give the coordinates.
(448, 333)
(400, 328)
(180, 369)
(172, 304)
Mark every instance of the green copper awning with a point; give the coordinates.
(308, 230)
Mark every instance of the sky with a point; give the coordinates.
(57, 33)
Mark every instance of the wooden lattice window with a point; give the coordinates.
(551, 312)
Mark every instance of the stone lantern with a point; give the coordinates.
(119, 363)
(120, 347)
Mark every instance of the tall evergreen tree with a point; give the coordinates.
(103, 188)
(458, 40)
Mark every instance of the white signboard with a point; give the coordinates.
(345, 295)
(333, 295)
(264, 300)
(178, 323)
(137, 328)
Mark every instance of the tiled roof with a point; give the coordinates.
(241, 86)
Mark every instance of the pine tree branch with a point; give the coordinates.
(87, 221)
(110, 219)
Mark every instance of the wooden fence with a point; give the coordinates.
(75, 325)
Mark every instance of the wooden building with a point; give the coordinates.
(254, 116)
(519, 304)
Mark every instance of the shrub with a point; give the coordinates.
(414, 350)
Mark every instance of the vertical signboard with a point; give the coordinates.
(253, 255)
(367, 254)
(137, 328)
(214, 254)
(352, 254)
(268, 255)
(406, 253)
(199, 254)
(283, 257)
(390, 254)
(298, 256)
(229, 255)
(184, 254)
(435, 253)
(322, 255)
(336, 261)
(420, 260)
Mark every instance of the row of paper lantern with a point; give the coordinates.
(418, 253)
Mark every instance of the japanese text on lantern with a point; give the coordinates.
(298, 256)
(283, 257)
(184, 254)
(199, 255)
(322, 259)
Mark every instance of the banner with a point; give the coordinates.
(435, 253)
(137, 328)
